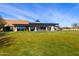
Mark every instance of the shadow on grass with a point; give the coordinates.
(5, 40)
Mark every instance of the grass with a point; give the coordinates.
(59, 43)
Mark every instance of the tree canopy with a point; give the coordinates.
(75, 24)
(2, 22)
(37, 21)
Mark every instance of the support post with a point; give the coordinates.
(46, 29)
(14, 29)
(52, 28)
(29, 29)
(35, 28)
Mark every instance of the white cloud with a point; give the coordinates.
(20, 14)
(47, 14)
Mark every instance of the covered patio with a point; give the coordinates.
(22, 25)
(43, 26)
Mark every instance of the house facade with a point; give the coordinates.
(21, 25)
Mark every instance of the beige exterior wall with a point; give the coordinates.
(14, 29)
(71, 29)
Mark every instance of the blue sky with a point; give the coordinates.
(63, 13)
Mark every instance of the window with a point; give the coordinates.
(20, 28)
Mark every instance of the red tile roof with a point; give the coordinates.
(11, 22)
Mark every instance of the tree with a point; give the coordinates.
(74, 24)
(2, 22)
(37, 21)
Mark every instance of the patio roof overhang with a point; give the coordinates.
(43, 24)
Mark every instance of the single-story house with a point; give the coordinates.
(19, 25)
(71, 28)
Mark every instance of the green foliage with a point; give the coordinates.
(75, 24)
(2, 22)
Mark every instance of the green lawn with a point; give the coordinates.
(59, 43)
